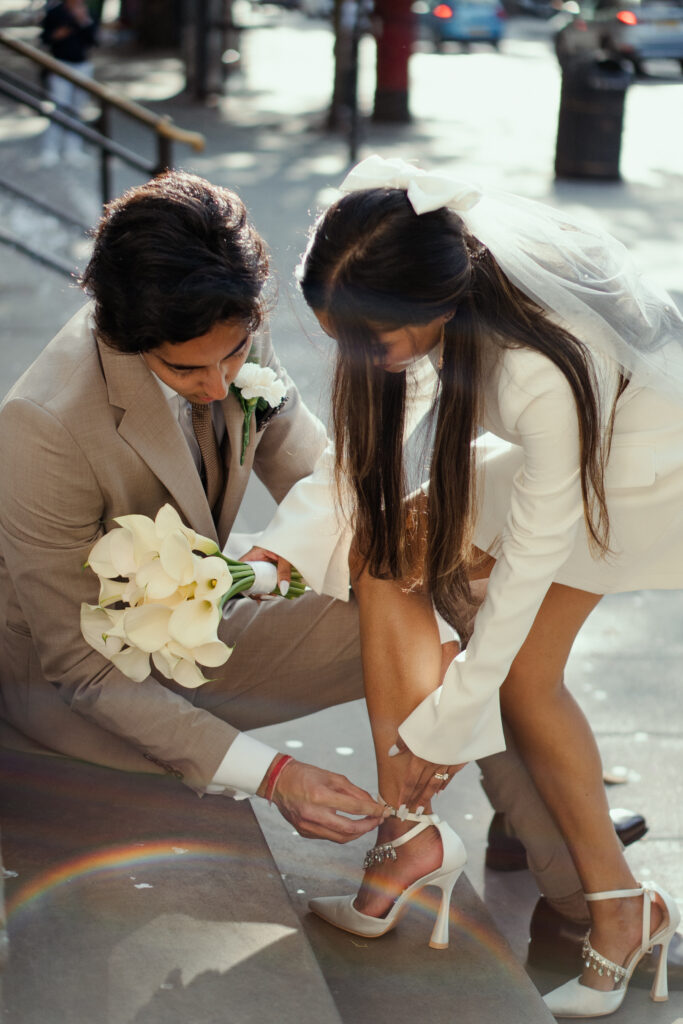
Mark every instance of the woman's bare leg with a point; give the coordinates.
(402, 664)
(559, 749)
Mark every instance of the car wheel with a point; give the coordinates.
(438, 44)
(638, 68)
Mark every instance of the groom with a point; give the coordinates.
(101, 425)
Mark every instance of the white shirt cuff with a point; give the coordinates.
(243, 767)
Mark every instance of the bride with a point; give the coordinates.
(556, 476)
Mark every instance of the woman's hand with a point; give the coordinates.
(284, 568)
(421, 780)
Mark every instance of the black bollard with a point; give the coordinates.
(591, 118)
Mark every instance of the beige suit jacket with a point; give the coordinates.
(85, 435)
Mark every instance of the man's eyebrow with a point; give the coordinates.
(192, 366)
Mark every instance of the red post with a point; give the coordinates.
(396, 32)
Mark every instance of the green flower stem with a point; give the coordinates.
(248, 404)
(243, 578)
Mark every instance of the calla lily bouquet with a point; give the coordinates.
(259, 390)
(163, 588)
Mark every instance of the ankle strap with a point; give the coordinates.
(615, 894)
(403, 814)
(425, 821)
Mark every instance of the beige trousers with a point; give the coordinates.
(292, 658)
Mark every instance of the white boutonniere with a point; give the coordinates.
(258, 390)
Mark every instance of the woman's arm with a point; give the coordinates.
(461, 720)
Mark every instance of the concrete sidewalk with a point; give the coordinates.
(264, 138)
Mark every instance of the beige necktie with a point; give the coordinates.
(212, 466)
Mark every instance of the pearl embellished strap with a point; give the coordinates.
(600, 963)
(387, 851)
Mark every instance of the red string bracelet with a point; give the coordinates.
(274, 774)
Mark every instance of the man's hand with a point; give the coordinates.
(284, 568)
(311, 798)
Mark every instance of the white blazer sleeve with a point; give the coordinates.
(461, 720)
(310, 531)
(309, 527)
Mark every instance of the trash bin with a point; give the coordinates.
(591, 118)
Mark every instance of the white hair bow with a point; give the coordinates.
(426, 190)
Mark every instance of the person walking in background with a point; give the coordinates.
(69, 31)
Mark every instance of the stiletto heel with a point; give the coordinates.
(659, 993)
(576, 1000)
(439, 939)
(340, 911)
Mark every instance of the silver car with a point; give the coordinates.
(644, 30)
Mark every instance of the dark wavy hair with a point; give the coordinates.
(372, 263)
(172, 258)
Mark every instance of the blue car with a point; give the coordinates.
(464, 22)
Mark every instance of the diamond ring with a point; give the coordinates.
(441, 775)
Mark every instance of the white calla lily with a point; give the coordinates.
(133, 663)
(212, 654)
(178, 663)
(155, 581)
(186, 673)
(96, 626)
(205, 545)
(213, 577)
(194, 623)
(147, 625)
(176, 557)
(168, 521)
(111, 591)
(164, 661)
(132, 594)
(141, 529)
(114, 554)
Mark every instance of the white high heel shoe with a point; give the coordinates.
(340, 911)
(576, 1000)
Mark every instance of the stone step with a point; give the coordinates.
(132, 901)
(398, 978)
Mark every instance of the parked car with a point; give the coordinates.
(463, 21)
(317, 8)
(644, 30)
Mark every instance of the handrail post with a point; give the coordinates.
(104, 127)
(201, 49)
(164, 153)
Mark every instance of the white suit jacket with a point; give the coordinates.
(528, 403)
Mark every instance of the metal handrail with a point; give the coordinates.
(162, 124)
(166, 131)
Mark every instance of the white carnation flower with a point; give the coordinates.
(256, 381)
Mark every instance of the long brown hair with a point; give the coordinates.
(372, 263)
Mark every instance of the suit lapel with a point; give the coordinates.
(236, 476)
(150, 428)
